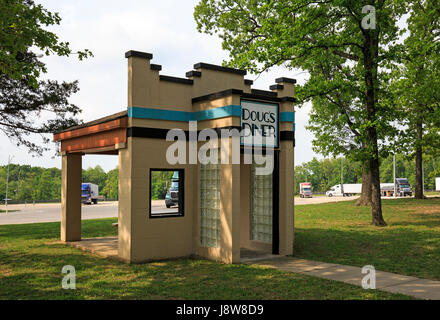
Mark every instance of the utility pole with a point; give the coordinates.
(18, 185)
(394, 174)
(423, 180)
(7, 183)
(342, 177)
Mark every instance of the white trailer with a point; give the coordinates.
(353, 188)
(437, 184)
(349, 189)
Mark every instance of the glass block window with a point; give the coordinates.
(210, 205)
(261, 207)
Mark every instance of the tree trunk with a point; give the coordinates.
(365, 198)
(370, 56)
(376, 201)
(419, 160)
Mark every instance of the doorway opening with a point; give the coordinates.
(259, 220)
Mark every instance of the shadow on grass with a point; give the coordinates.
(400, 250)
(97, 278)
(51, 230)
(32, 270)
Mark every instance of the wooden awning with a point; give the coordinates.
(101, 136)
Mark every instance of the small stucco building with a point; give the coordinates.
(219, 210)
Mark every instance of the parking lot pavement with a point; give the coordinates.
(51, 212)
(159, 207)
(321, 199)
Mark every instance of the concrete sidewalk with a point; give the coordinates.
(385, 281)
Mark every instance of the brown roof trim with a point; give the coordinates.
(217, 95)
(176, 80)
(111, 125)
(139, 54)
(256, 94)
(285, 80)
(202, 65)
(111, 117)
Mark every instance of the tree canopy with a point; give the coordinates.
(29, 105)
(416, 86)
(27, 183)
(345, 46)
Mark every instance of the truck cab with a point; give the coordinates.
(403, 188)
(334, 191)
(305, 190)
(172, 196)
(89, 193)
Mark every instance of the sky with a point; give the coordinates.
(109, 28)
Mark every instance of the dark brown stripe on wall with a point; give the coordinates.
(158, 133)
(287, 135)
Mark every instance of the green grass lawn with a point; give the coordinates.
(30, 268)
(341, 233)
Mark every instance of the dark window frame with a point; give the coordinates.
(181, 212)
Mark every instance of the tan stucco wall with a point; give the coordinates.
(286, 202)
(142, 238)
(125, 201)
(71, 172)
(146, 90)
(214, 81)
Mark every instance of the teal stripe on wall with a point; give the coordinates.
(215, 113)
(173, 115)
(287, 116)
(158, 114)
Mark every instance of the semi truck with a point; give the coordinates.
(403, 188)
(89, 193)
(305, 190)
(437, 184)
(172, 196)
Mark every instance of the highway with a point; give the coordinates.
(51, 212)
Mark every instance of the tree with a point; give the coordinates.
(346, 46)
(417, 86)
(24, 99)
(325, 173)
(111, 184)
(95, 175)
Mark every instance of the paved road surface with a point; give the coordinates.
(321, 199)
(50, 212)
(159, 207)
